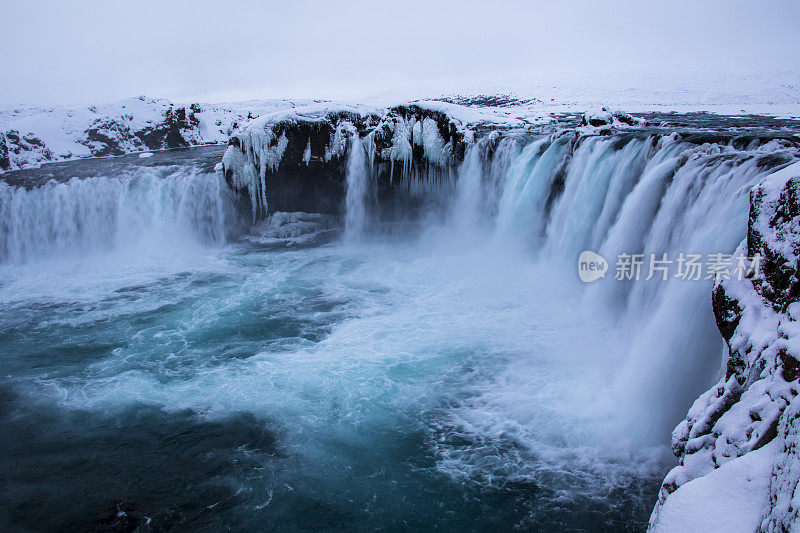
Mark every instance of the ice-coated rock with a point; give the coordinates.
(295, 160)
(604, 117)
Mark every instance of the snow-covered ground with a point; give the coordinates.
(30, 136)
(769, 89)
(731, 498)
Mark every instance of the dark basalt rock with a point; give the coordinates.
(728, 313)
(105, 137)
(172, 132)
(14, 143)
(5, 162)
(728, 316)
(315, 187)
(318, 184)
(598, 121)
(790, 366)
(108, 136)
(604, 117)
(32, 140)
(781, 281)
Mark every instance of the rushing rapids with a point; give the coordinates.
(440, 360)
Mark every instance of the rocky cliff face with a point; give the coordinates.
(5, 163)
(302, 153)
(754, 405)
(177, 127)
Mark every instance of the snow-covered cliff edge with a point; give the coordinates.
(738, 446)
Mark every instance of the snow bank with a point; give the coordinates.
(732, 498)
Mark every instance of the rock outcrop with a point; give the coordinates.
(755, 403)
(296, 160)
(5, 163)
(604, 117)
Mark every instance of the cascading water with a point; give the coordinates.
(481, 180)
(633, 195)
(359, 194)
(468, 205)
(162, 206)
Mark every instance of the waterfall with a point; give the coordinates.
(468, 205)
(164, 207)
(531, 178)
(459, 355)
(480, 181)
(553, 197)
(358, 197)
(562, 195)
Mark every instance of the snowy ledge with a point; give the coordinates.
(31, 136)
(752, 415)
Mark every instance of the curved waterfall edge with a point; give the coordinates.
(553, 195)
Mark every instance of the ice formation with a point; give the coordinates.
(398, 140)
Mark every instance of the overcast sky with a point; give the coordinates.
(96, 51)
